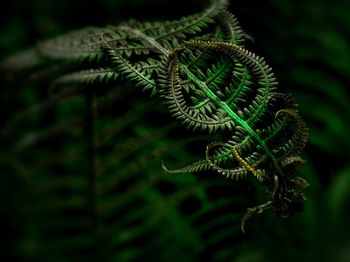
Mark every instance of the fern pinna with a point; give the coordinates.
(209, 82)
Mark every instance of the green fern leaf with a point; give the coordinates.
(90, 76)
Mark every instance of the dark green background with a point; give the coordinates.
(307, 45)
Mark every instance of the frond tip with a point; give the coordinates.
(198, 166)
(252, 211)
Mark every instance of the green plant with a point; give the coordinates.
(208, 81)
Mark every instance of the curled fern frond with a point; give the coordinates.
(298, 140)
(244, 102)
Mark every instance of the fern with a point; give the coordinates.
(247, 116)
(206, 78)
(151, 55)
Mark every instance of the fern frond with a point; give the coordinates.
(236, 173)
(182, 28)
(131, 71)
(90, 76)
(232, 31)
(297, 142)
(82, 45)
(198, 166)
(193, 117)
(131, 48)
(265, 77)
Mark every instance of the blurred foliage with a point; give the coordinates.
(61, 203)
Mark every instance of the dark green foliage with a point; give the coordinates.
(83, 145)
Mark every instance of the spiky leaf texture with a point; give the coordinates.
(207, 80)
(235, 91)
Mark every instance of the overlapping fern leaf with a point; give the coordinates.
(133, 48)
